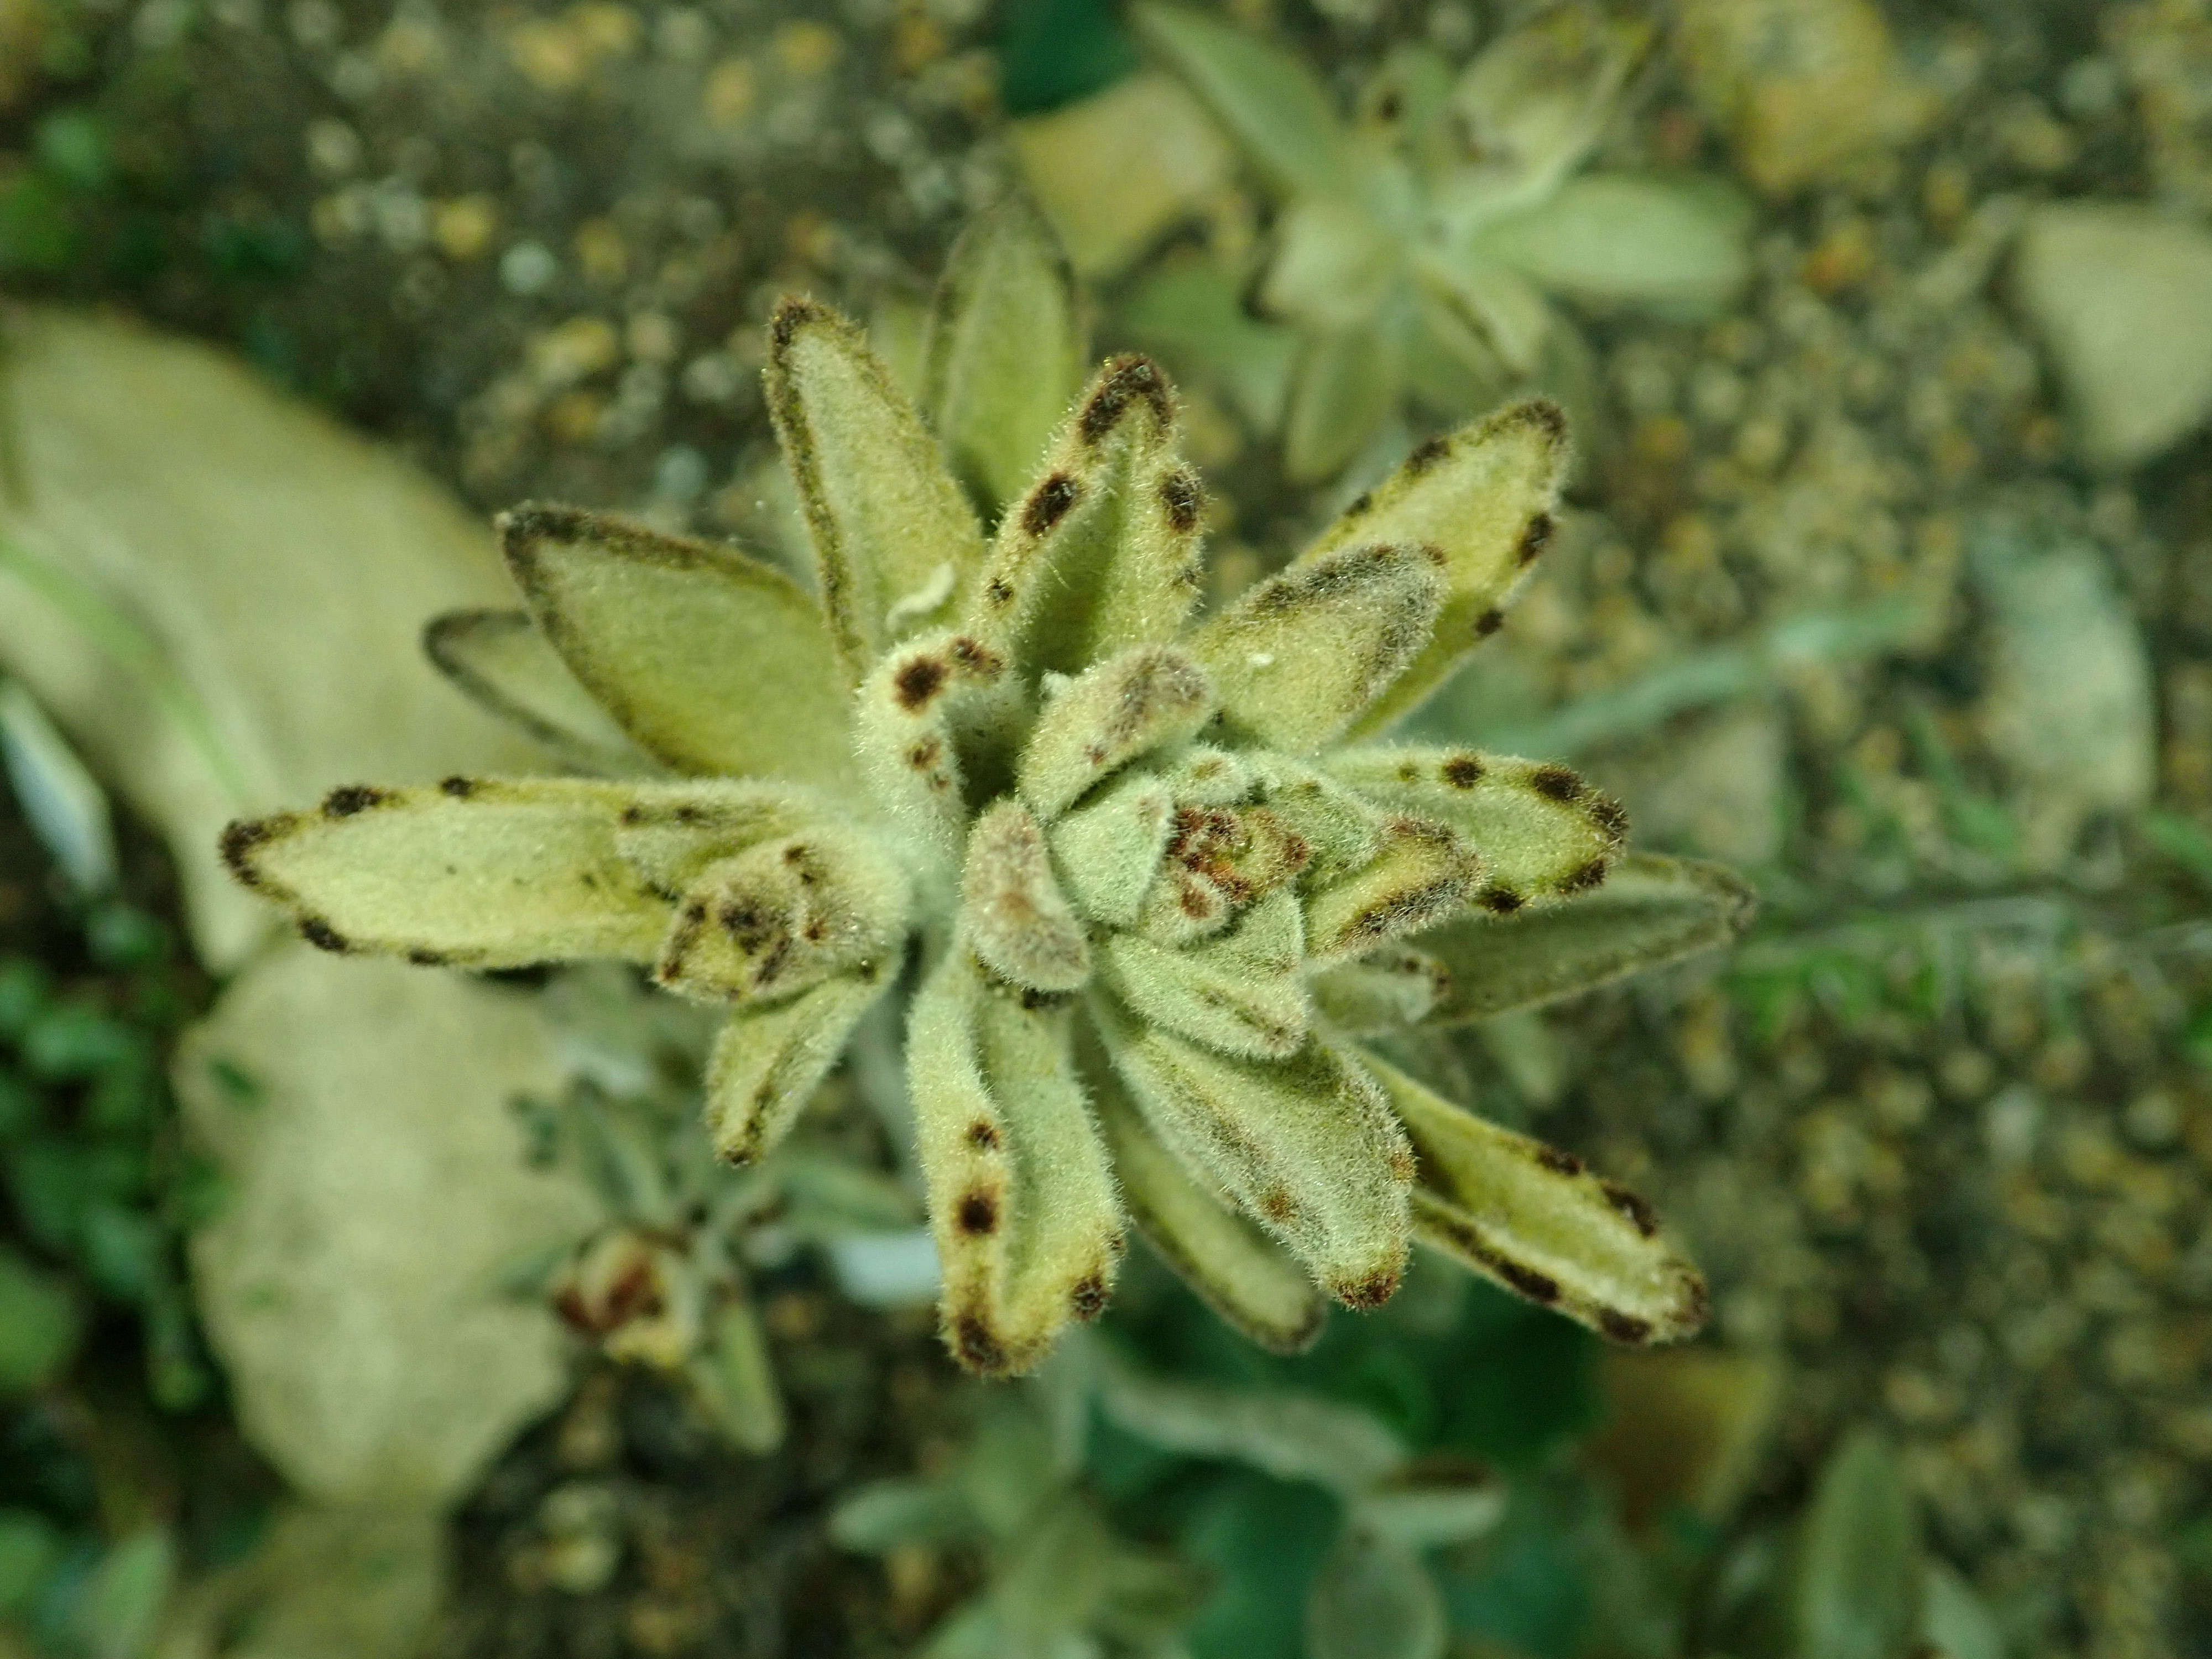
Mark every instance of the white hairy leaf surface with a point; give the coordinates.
(1422, 875)
(769, 1059)
(784, 914)
(1017, 918)
(1147, 697)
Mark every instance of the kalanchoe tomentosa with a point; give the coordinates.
(1150, 875)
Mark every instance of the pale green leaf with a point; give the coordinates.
(65, 806)
(1372, 1599)
(1540, 831)
(889, 526)
(1242, 1274)
(503, 662)
(1006, 352)
(1423, 875)
(877, 1518)
(1679, 244)
(1956, 1620)
(1304, 1147)
(1271, 103)
(1341, 832)
(1239, 991)
(669, 833)
(1333, 267)
(1347, 383)
(1146, 698)
(712, 660)
(1857, 1588)
(479, 873)
(1298, 656)
(119, 1607)
(1424, 1506)
(907, 714)
(736, 1379)
(1483, 498)
(770, 1060)
(1108, 851)
(1535, 101)
(1539, 1222)
(1385, 990)
(1191, 310)
(1103, 552)
(1021, 1198)
(1012, 908)
(1651, 910)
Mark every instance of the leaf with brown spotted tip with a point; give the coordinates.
(907, 716)
(1539, 1222)
(1006, 351)
(482, 873)
(1297, 656)
(1385, 990)
(889, 526)
(784, 914)
(1146, 698)
(711, 660)
(1304, 1147)
(1013, 911)
(1241, 1274)
(1239, 993)
(1021, 1199)
(503, 662)
(1422, 874)
(1341, 832)
(1542, 832)
(1484, 497)
(1651, 910)
(770, 1058)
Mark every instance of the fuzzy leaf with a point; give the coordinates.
(1483, 497)
(1236, 1269)
(1298, 656)
(1305, 1146)
(712, 660)
(1652, 910)
(905, 717)
(784, 914)
(768, 1060)
(1272, 106)
(1341, 832)
(1385, 990)
(1347, 382)
(1102, 553)
(1373, 1599)
(503, 662)
(1423, 875)
(1108, 852)
(1006, 353)
(482, 873)
(1021, 1199)
(889, 524)
(669, 833)
(1542, 832)
(1147, 697)
(1012, 908)
(1536, 1221)
(1239, 993)
(1859, 1580)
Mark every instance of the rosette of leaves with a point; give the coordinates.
(1149, 876)
(1419, 245)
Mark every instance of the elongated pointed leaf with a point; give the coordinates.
(1346, 383)
(1651, 911)
(1619, 238)
(482, 873)
(1012, 908)
(505, 664)
(1298, 656)
(906, 717)
(1385, 990)
(1242, 1274)
(711, 660)
(1373, 1599)
(1271, 103)
(1239, 993)
(1006, 350)
(1422, 875)
(1304, 1147)
(672, 832)
(770, 1060)
(1144, 699)
(891, 532)
(1103, 552)
(1021, 1199)
(1539, 1222)
(1484, 497)
(1541, 831)
(1858, 1571)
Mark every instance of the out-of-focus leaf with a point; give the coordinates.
(39, 1326)
(737, 1381)
(29, 1547)
(877, 1518)
(1857, 1592)
(364, 1583)
(1271, 102)
(1346, 385)
(1955, 1619)
(122, 1600)
(1684, 1431)
(67, 809)
(1674, 244)
(1373, 1599)
(1190, 310)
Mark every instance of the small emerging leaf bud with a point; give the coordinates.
(1013, 911)
(1108, 852)
(1145, 699)
(783, 915)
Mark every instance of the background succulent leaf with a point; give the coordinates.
(1304, 1147)
(1483, 498)
(1677, 245)
(1346, 384)
(735, 1381)
(889, 526)
(1014, 913)
(1271, 103)
(1540, 1224)
(1542, 831)
(1373, 1599)
(1006, 352)
(482, 873)
(1300, 655)
(1429, 1505)
(503, 661)
(1651, 910)
(1236, 1269)
(1021, 1199)
(1191, 312)
(1144, 699)
(711, 660)
(1857, 1587)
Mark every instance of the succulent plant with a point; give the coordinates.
(1417, 247)
(1148, 876)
